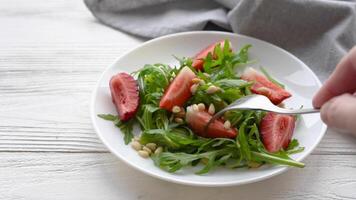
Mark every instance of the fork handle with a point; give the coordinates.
(299, 111)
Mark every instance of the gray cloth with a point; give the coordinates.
(319, 32)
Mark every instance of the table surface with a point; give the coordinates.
(51, 55)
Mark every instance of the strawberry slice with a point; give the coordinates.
(265, 87)
(125, 95)
(277, 131)
(198, 61)
(178, 91)
(197, 119)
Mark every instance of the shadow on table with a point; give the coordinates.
(135, 185)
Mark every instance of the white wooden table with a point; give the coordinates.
(51, 54)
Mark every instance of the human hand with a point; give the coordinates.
(337, 98)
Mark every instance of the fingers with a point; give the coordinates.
(342, 80)
(340, 112)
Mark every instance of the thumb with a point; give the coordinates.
(340, 112)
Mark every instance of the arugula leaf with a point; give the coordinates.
(108, 117)
(172, 162)
(125, 127)
(276, 160)
(294, 147)
(159, 137)
(269, 77)
(232, 83)
(242, 55)
(243, 141)
(184, 61)
(152, 79)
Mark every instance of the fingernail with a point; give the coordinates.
(324, 111)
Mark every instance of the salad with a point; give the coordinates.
(172, 104)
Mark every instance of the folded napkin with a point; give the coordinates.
(319, 32)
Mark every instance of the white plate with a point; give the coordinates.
(297, 77)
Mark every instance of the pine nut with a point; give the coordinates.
(202, 82)
(143, 154)
(195, 107)
(206, 74)
(176, 109)
(227, 124)
(147, 149)
(136, 138)
(193, 88)
(252, 164)
(196, 80)
(178, 120)
(201, 107)
(212, 89)
(158, 150)
(151, 146)
(211, 109)
(181, 114)
(136, 145)
(264, 90)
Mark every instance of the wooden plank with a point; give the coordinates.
(58, 22)
(57, 74)
(51, 55)
(101, 176)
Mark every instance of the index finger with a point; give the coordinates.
(342, 80)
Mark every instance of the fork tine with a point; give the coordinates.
(263, 104)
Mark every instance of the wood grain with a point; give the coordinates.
(43, 176)
(51, 55)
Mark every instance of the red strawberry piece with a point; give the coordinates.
(125, 95)
(277, 131)
(265, 87)
(198, 119)
(178, 91)
(198, 60)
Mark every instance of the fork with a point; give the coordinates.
(259, 102)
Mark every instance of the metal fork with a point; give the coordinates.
(259, 102)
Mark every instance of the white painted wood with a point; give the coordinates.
(51, 54)
(42, 176)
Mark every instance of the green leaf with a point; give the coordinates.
(277, 160)
(172, 162)
(227, 49)
(294, 147)
(208, 63)
(232, 83)
(108, 117)
(125, 127)
(270, 78)
(293, 144)
(243, 141)
(184, 61)
(242, 55)
(158, 136)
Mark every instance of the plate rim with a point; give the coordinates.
(278, 171)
